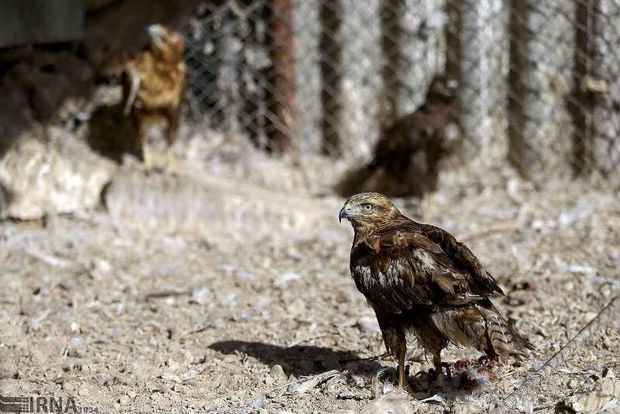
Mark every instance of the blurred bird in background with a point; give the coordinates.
(407, 158)
(153, 86)
(419, 279)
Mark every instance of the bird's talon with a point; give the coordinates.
(448, 370)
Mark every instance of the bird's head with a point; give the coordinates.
(368, 210)
(165, 43)
(443, 89)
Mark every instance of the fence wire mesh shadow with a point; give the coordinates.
(538, 81)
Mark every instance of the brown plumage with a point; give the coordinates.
(407, 158)
(418, 278)
(153, 86)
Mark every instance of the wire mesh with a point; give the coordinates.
(538, 80)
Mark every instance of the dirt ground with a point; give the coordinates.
(228, 297)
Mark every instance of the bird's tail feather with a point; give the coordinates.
(503, 339)
(480, 325)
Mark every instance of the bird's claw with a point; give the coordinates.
(439, 370)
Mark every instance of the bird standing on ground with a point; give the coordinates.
(153, 85)
(409, 154)
(418, 278)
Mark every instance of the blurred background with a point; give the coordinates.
(232, 252)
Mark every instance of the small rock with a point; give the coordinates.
(243, 274)
(368, 324)
(392, 402)
(124, 400)
(466, 409)
(8, 373)
(297, 307)
(606, 291)
(201, 296)
(277, 372)
(514, 301)
(189, 375)
(256, 402)
(286, 278)
(100, 266)
(75, 327)
(229, 300)
(75, 348)
(48, 178)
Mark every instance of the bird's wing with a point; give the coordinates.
(463, 258)
(400, 268)
(131, 84)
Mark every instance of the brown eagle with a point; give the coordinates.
(418, 278)
(408, 156)
(153, 86)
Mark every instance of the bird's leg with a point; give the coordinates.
(170, 159)
(402, 376)
(146, 156)
(141, 150)
(171, 135)
(440, 365)
(396, 344)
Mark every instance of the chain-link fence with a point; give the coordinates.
(539, 80)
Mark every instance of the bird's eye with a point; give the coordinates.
(367, 206)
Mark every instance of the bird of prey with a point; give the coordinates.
(419, 279)
(409, 153)
(153, 85)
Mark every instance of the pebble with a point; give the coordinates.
(76, 347)
(100, 267)
(201, 296)
(286, 278)
(368, 324)
(8, 373)
(256, 403)
(277, 372)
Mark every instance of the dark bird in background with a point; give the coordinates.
(419, 279)
(407, 158)
(153, 85)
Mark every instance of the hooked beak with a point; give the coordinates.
(344, 214)
(453, 87)
(155, 31)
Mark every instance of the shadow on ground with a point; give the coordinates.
(300, 360)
